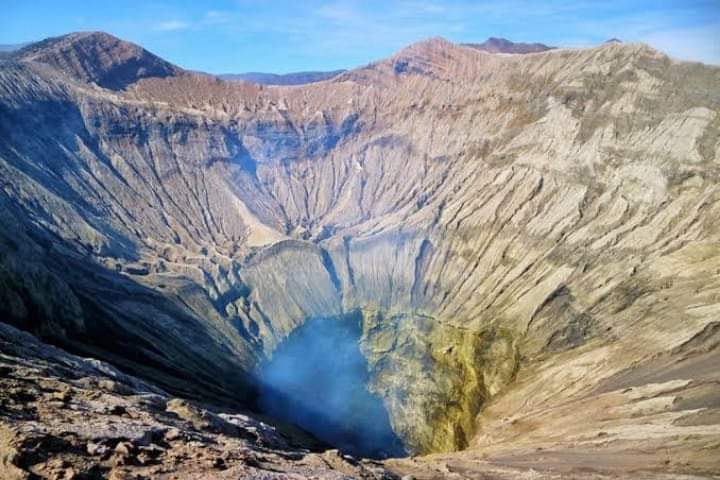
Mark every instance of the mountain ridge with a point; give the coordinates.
(97, 57)
(120, 63)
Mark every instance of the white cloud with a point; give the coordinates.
(338, 12)
(699, 44)
(214, 17)
(171, 25)
(424, 7)
(679, 33)
(211, 18)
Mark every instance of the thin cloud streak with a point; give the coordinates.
(171, 25)
(688, 43)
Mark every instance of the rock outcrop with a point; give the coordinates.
(529, 238)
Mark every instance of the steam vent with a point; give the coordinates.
(456, 262)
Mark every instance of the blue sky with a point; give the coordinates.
(228, 36)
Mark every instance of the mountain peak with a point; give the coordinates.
(97, 57)
(503, 45)
(436, 41)
(425, 47)
(422, 57)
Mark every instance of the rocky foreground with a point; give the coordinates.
(65, 417)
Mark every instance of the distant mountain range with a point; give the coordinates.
(294, 78)
(11, 47)
(502, 45)
(491, 45)
(7, 49)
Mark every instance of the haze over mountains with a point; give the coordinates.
(526, 246)
(11, 47)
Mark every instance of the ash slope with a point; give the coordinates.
(517, 232)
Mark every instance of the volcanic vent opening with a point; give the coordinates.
(317, 379)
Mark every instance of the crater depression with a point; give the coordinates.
(446, 249)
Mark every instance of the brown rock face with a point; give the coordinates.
(98, 58)
(529, 243)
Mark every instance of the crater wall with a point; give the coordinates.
(493, 217)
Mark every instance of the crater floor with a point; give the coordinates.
(318, 380)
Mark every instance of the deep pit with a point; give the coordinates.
(318, 380)
(380, 385)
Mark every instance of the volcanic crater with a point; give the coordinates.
(448, 251)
